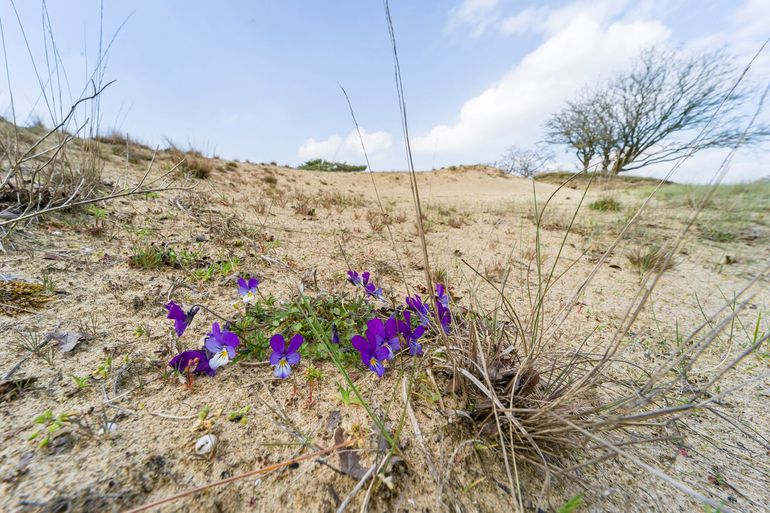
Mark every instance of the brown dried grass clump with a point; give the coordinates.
(123, 146)
(192, 162)
(20, 297)
(552, 410)
(650, 258)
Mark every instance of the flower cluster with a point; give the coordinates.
(218, 349)
(382, 340)
(219, 345)
(425, 313)
(370, 289)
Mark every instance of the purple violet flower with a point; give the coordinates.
(444, 317)
(221, 346)
(441, 295)
(390, 337)
(248, 289)
(181, 319)
(354, 278)
(363, 281)
(442, 304)
(186, 359)
(384, 335)
(335, 335)
(284, 357)
(370, 288)
(411, 336)
(372, 355)
(421, 309)
(374, 291)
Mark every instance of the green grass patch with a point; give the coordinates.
(605, 204)
(304, 315)
(580, 180)
(150, 256)
(222, 268)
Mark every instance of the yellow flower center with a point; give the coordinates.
(373, 361)
(282, 362)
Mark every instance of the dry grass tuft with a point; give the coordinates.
(121, 145)
(192, 162)
(650, 258)
(378, 220)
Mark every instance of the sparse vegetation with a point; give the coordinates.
(605, 204)
(151, 256)
(191, 162)
(328, 165)
(507, 341)
(652, 258)
(270, 180)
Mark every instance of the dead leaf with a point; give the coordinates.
(68, 340)
(349, 461)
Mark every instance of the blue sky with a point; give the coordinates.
(260, 80)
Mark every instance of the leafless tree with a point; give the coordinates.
(524, 162)
(666, 107)
(576, 126)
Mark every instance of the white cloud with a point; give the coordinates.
(531, 19)
(583, 46)
(335, 147)
(476, 15)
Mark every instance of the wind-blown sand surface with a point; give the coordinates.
(294, 227)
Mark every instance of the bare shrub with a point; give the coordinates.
(524, 162)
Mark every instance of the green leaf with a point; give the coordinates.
(571, 505)
(44, 417)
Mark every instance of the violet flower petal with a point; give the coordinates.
(293, 358)
(295, 343)
(278, 343)
(282, 370)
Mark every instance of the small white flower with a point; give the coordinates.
(108, 429)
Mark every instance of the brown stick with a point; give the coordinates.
(262, 470)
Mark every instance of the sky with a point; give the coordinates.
(260, 80)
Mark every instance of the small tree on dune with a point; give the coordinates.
(666, 107)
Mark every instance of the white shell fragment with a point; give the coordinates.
(205, 445)
(108, 429)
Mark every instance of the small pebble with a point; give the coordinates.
(205, 445)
